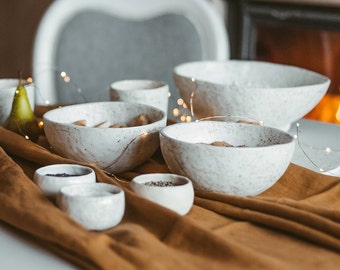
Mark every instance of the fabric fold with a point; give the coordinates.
(301, 212)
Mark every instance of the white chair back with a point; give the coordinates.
(92, 43)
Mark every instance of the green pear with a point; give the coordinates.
(21, 119)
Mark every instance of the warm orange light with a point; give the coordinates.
(40, 124)
(180, 101)
(328, 109)
(175, 112)
(337, 115)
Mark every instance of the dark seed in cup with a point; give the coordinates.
(161, 184)
(62, 174)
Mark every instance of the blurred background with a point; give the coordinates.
(18, 23)
(310, 46)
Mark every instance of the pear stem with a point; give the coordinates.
(20, 77)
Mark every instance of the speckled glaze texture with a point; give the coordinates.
(275, 94)
(96, 206)
(178, 198)
(112, 149)
(48, 178)
(241, 171)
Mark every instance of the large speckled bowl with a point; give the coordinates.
(276, 94)
(258, 157)
(112, 149)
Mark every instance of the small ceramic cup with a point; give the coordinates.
(148, 92)
(169, 190)
(7, 90)
(50, 179)
(96, 206)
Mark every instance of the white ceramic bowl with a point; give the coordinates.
(169, 190)
(153, 93)
(7, 90)
(259, 156)
(50, 179)
(112, 149)
(276, 94)
(96, 206)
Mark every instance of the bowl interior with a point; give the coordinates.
(160, 180)
(64, 170)
(101, 112)
(235, 134)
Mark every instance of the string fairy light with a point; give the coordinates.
(66, 78)
(184, 117)
(327, 150)
(192, 97)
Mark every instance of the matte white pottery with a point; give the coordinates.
(112, 149)
(178, 196)
(50, 179)
(147, 92)
(258, 159)
(276, 94)
(7, 90)
(96, 206)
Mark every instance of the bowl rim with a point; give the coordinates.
(125, 85)
(47, 115)
(94, 188)
(44, 171)
(176, 71)
(140, 180)
(291, 139)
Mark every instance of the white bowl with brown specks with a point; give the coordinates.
(169, 190)
(50, 179)
(257, 158)
(275, 94)
(96, 206)
(114, 149)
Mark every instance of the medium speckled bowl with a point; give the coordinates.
(276, 94)
(112, 149)
(96, 206)
(169, 190)
(257, 158)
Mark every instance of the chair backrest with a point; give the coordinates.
(97, 42)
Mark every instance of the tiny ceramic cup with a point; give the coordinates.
(169, 190)
(50, 179)
(147, 92)
(96, 206)
(7, 91)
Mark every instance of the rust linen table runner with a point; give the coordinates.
(293, 225)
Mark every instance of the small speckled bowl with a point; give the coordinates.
(50, 179)
(96, 206)
(169, 190)
(256, 158)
